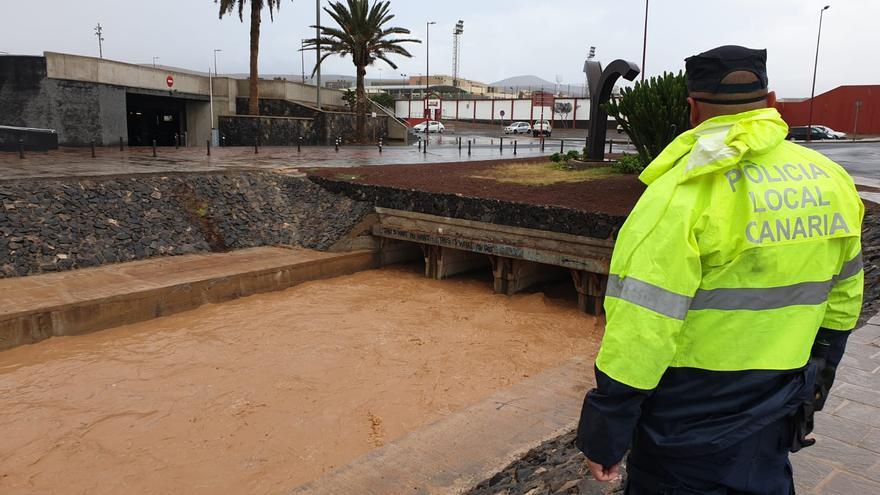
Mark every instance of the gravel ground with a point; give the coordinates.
(558, 467)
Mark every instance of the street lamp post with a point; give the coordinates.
(318, 52)
(815, 66)
(645, 41)
(154, 61)
(428, 63)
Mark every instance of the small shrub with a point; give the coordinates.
(629, 164)
(556, 157)
(572, 155)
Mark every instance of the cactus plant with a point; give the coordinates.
(652, 113)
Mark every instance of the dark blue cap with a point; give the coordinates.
(706, 70)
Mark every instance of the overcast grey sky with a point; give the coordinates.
(502, 38)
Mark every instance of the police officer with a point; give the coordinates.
(741, 260)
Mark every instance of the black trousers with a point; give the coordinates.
(756, 466)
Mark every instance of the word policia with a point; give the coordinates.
(789, 198)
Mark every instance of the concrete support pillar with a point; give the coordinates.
(392, 252)
(513, 275)
(591, 290)
(443, 262)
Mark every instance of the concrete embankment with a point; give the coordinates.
(81, 301)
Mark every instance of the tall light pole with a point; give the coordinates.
(215, 60)
(318, 52)
(154, 61)
(428, 62)
(645, 41)
(815, 66)
(98, 31)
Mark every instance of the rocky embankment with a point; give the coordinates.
(558, 467)
(51, 225)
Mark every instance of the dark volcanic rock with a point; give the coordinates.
(555, 467)
(50, 225)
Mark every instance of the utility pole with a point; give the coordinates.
(318, 51)
(645, 41)
(98, 31)
(815, 66)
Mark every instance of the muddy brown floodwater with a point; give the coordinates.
(261, 394)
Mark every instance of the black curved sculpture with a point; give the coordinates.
(599, 95)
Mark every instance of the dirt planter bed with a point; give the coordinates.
(594, 208)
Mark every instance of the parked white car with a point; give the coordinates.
(542, 127)
(432, 126)
(518, 128)
(828, 130)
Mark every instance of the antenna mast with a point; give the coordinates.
(98, 32)
(456, 50)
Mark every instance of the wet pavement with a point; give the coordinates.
(78, 162)
(860, 159)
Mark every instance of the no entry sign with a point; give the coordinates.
(169, 80)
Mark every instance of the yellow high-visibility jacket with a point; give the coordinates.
(741, 247)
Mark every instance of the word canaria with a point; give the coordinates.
(784, 173)
(789, 229)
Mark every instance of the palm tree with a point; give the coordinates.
(363, 35)
(228, 6)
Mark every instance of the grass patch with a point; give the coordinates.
(542, 174)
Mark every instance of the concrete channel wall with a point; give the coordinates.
(52, 225)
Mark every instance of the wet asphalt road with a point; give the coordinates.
(860, 159)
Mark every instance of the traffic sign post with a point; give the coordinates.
(169, 80)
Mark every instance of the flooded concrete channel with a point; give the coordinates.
(263, 393)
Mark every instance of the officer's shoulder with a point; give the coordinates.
(810, 155)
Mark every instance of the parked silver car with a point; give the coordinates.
(518, 128)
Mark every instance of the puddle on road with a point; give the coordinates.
(261, 394)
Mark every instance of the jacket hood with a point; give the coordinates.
(719, 144)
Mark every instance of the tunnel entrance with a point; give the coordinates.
(154, 117)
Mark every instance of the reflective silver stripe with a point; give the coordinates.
(851, 267)
(648, 296)
(728, 299)
(760, 298)
(756, 299)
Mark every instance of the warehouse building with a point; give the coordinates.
(85, 99)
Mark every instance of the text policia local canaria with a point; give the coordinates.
(791, 197)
